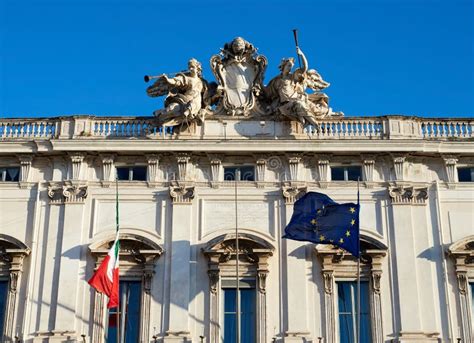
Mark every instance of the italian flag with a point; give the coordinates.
(106, 278)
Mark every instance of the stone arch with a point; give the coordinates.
(12, 255)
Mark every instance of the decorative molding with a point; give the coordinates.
(213, 280)
(67, 193)
(294, 164)
(398, 165)
(153, 161)
(76, 163)
(292, 193)
(25, 166)
(216, 168)
(408, 195)
(107, 167)
(450, 162)
(181, 194)
(183, 165)
(261, 168)
(323, 168)
(368, 163)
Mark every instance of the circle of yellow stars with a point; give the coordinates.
(322, 238)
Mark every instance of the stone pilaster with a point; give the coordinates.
(261, 168)
(178, 329)
(216, 169)
(323, 170)
(296, 302)
(368, 163)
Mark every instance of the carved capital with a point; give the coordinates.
(183, 162)
(181, 194)
(67, 193)
(294, 163)
(147, 280)
(76, 162)
(216, 162)
(375, 278)
(450, 162)
(398, 164)
(14, 276)
(291, 194)
(408, 195)
(261, 167)
(153, 163)
(368, 167)
(25, 165)
(323, 167)
(107, 167)
(262, 281)
(462, 282)
(213, 279)
(328, 277)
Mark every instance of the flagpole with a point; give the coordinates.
(358, 268)
(117, 229)
(237, 298)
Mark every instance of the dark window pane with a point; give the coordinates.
(10, 174)
(229, 173)
(130, 295)
(465, 174)
(3, 301)
(139, 173)
(354, 173)
(337, 173)
(247, 173)
(123, 173)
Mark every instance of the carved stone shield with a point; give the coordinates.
(239, 72)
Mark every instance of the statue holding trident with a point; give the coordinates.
(287, 91)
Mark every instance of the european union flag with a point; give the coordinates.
(318, 219)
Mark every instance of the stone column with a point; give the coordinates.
(375, 296)
(296, 279)
(181, 196)
(450, 162)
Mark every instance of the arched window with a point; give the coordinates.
(137, 262)
(462, 253)
(339, 270)
(12, 254)
(253, 270)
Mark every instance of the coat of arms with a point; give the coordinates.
(239, 72)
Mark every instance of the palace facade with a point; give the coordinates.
(177, 213)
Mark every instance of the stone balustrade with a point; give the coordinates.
(384, 127)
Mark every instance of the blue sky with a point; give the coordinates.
(381, 57)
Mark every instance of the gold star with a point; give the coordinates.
(341, 240)
(322, 238)
(348, 233)
(353, 221)
(352, 209)
(314, 222)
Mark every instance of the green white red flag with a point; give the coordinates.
(106, 278)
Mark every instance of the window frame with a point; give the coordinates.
(346, 172)
(464, 167)
(254, 253)
(4, 172)
(238, 167)
(338, 265)
(138, 257)
(11, 269)
(130, 172)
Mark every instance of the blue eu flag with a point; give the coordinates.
(318, 219)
